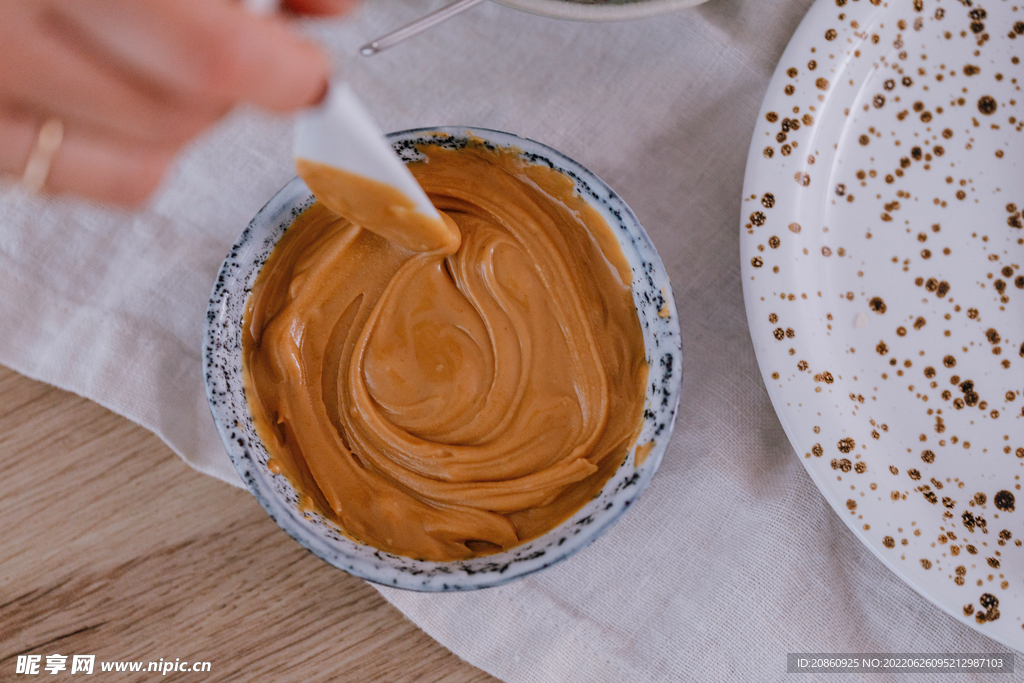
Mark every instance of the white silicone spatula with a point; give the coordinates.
(343, 157)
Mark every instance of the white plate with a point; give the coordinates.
(881, 244)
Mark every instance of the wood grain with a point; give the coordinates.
(114, 547)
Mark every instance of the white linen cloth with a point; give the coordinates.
(732, 558)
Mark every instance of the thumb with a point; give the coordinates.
(320, 8)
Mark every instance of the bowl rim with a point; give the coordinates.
(244, 448)
(604, 11)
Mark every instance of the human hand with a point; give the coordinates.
(132, 81)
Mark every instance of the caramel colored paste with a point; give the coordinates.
(378, 207)
(443, 407)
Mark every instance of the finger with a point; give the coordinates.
(85, 164)
(48, 74)
(320, 8)
(206, 50)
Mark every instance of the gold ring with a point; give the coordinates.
(37, 169)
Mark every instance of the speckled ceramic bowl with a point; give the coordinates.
(223, 371)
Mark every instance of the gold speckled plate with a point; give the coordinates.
(883, 272)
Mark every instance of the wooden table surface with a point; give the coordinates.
(110, 545)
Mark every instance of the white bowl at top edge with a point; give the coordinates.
(609, 10)
(223, 375)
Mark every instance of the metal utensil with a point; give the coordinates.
(416, 27)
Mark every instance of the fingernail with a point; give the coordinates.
(322, 94)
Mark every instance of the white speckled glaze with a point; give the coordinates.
(222, 367)
(883, 270)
